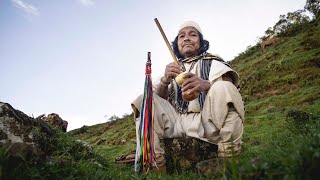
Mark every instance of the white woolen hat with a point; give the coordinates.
(191, 24)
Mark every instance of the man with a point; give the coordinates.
(216, 114)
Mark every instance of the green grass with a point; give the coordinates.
(283, 78)
(61, 157)
(281, 90)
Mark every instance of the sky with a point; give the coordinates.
(85, 59)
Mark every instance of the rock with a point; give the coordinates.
(183, 154)
(55, 120)
(85, 145)
(123, 141)
(17, 152)
(28, 145)
(17, 127)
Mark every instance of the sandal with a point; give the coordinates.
(125, 158)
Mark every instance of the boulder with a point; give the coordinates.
(55, 120)
(17, 127)
(28, 144)
(188, 154)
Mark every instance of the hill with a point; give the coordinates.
(280, 86)
(281, 79)
(115, 137)
(281, 89)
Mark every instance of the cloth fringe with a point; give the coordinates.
(145, 157)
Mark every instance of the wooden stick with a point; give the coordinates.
(166, 40)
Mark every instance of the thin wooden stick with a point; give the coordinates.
(166, 40)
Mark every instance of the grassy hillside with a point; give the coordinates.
(283, 78)
(281, 90)
(115, 137)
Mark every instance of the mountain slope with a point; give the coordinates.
(284, 77)
(281, 90)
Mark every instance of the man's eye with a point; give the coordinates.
(182, 36)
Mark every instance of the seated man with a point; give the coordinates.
(214, 115)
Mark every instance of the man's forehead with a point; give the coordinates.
(188, 29)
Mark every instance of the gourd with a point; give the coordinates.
(180, 79)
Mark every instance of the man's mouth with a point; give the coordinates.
(186, 45)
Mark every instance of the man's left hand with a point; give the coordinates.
(194, 84)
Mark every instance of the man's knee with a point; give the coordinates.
(224, 90)
(136, 106)
(221, 86)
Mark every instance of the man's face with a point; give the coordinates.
(188, 42)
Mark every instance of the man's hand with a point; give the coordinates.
(172, 70)
(194, 84)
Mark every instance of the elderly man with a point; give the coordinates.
(214, 115)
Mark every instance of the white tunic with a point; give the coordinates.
(220, 121)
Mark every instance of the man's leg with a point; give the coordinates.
(165, 118)
(222, 117)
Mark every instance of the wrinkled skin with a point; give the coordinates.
(188, 45)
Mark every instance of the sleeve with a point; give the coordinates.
(218, 69)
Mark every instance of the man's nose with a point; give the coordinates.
(186, 38)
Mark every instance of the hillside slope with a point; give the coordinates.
(280, 82)
(285, 77)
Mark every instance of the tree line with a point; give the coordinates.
(292, 22)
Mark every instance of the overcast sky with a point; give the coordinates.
(85, 59)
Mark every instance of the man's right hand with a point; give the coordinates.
(172, 70)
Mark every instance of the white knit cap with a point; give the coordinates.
(191, 24)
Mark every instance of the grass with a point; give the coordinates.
(60, 157)
(274, 82)
(280, 87)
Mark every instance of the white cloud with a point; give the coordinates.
(27, 8)
(87, 2)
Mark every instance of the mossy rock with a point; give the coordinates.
(183, 154)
